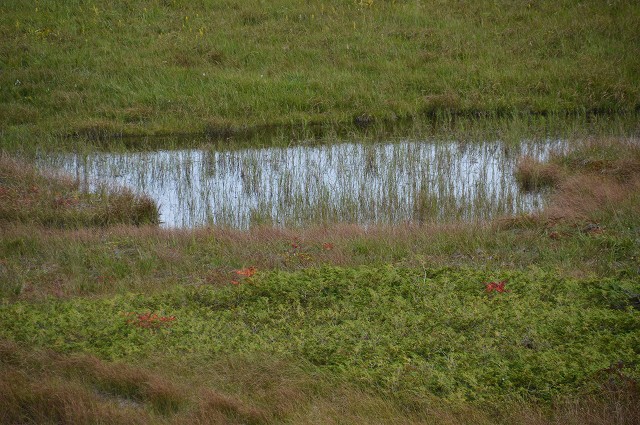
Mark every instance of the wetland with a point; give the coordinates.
(320, 212)
(359, 183)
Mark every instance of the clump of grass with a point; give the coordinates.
(124, 207)
(32, 197)
(600, 180)
(596, 181)
(45, 387)
(532, 174)
(53, 401)
(96, 129)
(585, 197)
(610, 158)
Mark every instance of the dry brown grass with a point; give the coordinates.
(216, 408)
(39, 386)
(614, 407)
(532, 174)
(582, 197)
(47, 387)
(589, 183)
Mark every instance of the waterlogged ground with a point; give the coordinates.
(347, 182)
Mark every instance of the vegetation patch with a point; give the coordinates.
(97, 70)
(532, 174)
(30, 197)
(407, 331)
(107, 318)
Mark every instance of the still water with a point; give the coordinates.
(362, 183)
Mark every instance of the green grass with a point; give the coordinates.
(96, 69)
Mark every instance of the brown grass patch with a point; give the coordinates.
(216, 408)
(38, 386)
(532, 174)
(126, 382)
(34, 389)
(620, 408)
(51, 199)
(584, 197)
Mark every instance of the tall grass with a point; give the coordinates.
(92, 69)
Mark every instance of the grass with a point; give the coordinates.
(33, 198)
(328, 323)
(94, 70)
(533, 175)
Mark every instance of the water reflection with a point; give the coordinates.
(349, 182)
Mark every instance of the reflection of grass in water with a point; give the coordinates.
(354, 183)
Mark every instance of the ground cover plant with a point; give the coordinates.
(449, 333)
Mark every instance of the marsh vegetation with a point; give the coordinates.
(361, 212)
(358, 183)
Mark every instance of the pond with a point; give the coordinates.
(363, 183)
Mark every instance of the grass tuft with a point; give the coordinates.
(532, 174)
(30, 197)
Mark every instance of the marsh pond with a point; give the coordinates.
(363, 183)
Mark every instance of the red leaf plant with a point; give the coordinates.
(496, 286)
(148, 320)
(248, 272)
(244, 273)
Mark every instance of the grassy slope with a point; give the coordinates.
(180, 66)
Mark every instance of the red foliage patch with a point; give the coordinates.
(248, 272)
(496, 286)
(149, 320)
